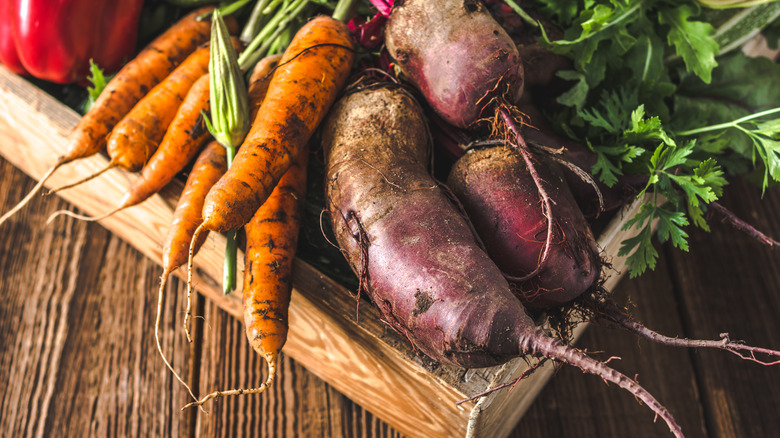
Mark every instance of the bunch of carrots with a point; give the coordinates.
(184, 97)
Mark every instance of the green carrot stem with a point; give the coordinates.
(260, 44)
(344, 10)
(231, 246)
(229, 271)
(254, 22)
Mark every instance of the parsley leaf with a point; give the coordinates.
(691, 39)
(98, 81)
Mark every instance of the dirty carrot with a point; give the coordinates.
(271, 241)
(310, 75)
(136, 137)
(128, 86)
(185, 136)
(258, 82)
(209, 166)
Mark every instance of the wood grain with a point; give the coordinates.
(77, 355)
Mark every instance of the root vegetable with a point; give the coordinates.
(456, 54)
(127, 87)
(496, 190)
(414, 252)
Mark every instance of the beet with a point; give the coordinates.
(389, 214)
(414, 252)
(502, 201)
(456, 54)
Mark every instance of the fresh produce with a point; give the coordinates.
(271, 241)
(136, 137)
(312, 71)
(657, 90)
(501, 199)
(129, 85)
(258, 82)
(210, 165)
(56, 42)
(9, 57)
(208, 168)
(181, 142)
(415, 253)
(228, 120)
(310, 75)
(460, 64)
(469, 40)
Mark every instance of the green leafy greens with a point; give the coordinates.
(654, 92)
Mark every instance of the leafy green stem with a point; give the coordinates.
(344, 10)
(523, 14)
(259, 45)
(731, 124)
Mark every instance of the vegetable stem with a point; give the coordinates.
(344, 10)
(263, 40)
(229, 271)
(523, 14)
(231, 246)
(731, 124)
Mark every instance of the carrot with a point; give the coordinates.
(258, 82)
(185, 136)
(136, 137)
(209, 166)
(311, 73)
(183, 139)
(271, 241)
(129, 85)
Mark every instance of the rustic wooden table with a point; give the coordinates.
(78, 357)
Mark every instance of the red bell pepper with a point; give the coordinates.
(54, 40)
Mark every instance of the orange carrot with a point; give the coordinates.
(209, 166)
(128, 86)
(258, 82)
(271, 241)
(182, 140)
(136, 137)
(311, 74)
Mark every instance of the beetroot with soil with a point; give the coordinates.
(414, 252)
(456, 54)
(497, 192)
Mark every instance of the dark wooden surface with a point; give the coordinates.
(77, 352)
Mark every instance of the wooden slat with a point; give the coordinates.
(737, 292)
(78, 357)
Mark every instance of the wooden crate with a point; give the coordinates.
(364, 360)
